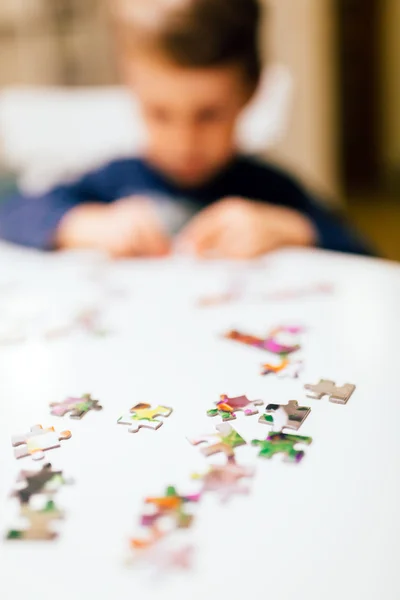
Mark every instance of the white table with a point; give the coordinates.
(325, 529)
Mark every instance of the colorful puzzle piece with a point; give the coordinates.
(142, 415)
(283, 443)
(227, 440)
(325, 387)
(272, 343)
(77, 407)
(45, 481)
(218, 299)
(285, 368)
(227, 407)
(225, 480)
(281, 340)
(161, 558)
(244, 338)
(289, 415)
(170, 506)
(36, 441)
(302, 292)
(39, 523)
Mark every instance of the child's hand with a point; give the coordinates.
(239, 228)
(123, 229)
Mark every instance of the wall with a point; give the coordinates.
(390, 147)
(54, 42)
(302, 36)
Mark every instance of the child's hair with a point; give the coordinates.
(193, 33)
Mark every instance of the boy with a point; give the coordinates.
(193, 65)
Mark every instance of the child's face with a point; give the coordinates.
(190, 116)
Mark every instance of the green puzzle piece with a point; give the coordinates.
(282, 443)
(214, 412)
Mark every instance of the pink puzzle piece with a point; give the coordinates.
(227, 407)
(161, 558)
(36, 441)
(225, 441)
(226, 480)
(77, 407)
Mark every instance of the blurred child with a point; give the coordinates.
(193, 65)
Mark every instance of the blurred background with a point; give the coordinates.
(331, 102)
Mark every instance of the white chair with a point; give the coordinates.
(52, 134)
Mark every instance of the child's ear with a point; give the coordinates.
(124, 66)
(250, 90)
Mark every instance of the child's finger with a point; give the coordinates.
(226, 245)
(201, 233)
(151, 239)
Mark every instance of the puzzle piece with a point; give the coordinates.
(325, 387)
(77, 407)
(218, 299)
(244, 338)
(39, 523)
(227, 407)
(283, 443)
(302, 292)
(227, 440)
(161, 558)
(285, 368)
(272, 343)
(37, 440)
(280, 340)
(171, 506)
(45, 481)
(289, 415)
(225, 480)
(144, 415)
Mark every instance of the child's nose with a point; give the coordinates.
(187, 140)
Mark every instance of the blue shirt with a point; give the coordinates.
(33, 221)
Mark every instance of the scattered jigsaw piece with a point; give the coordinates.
(227, 440)
(162, 558)
(281, 340)
(236, 294)
(283, 443)
(218, 299)
(227, 407)
(171, 506)
(225, 480)
(142, 415)
(272, 343)
(268, 368)
(46, 481)
(244, 338)
(302, 292)
(39, 523)
(285, 368)
(289, 415)
(37, 440)
(325, 387)
(77, 407)
(89, 320)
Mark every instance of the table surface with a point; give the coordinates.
(327, 528)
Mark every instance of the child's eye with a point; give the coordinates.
(209, 115)
(159, 114)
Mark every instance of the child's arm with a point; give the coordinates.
(240, 228)
(126, 228)
(84, 215)
(283, 215)
(333, 232)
